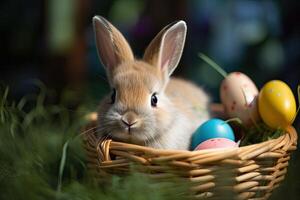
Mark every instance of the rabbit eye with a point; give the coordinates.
(154, 100)
(113, 96)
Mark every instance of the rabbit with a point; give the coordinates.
(147, 107)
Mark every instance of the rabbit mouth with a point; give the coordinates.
(128, 137)
(132, 135)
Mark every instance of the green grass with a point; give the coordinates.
(41, 156)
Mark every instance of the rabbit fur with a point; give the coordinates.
(146, 106)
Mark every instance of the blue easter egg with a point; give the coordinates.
(213, 128)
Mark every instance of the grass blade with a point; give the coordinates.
(62, 165)
(213, 64)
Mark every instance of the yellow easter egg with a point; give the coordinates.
(277, 104)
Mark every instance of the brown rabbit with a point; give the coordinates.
(145, 106)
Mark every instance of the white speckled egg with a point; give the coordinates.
(239, 97)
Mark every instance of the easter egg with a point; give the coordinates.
(213, 128)
(277, 104)
(217, 143)
(239, 97)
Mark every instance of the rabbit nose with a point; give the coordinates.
(129, 119)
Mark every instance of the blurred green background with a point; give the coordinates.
(53, 41)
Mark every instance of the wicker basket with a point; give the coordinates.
(253, 171)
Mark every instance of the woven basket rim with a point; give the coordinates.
(284, 142)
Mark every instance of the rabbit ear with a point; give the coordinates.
(112, 47)
(166, 48)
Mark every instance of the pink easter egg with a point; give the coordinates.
(216, 143)
(239, 96)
